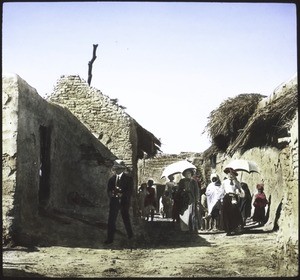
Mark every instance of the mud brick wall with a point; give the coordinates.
(9, 155)
(279, 170)
(287, 254)
(100, 114)
(77, 177)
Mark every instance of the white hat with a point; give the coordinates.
(213, 175)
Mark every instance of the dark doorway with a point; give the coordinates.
(44, 172)
(213, 161)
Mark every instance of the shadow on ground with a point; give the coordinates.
(166, 234)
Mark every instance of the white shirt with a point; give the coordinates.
(118, 177)
(232, 187)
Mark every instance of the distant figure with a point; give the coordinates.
(260, 202)
(167, 198)
(150, 200)
(119, 190)
(189, 202)
(204, 219)
(171, 185)
(176, 196)
(167, 205)
(245, 203)
(141, 198)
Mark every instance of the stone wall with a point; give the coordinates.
(76, 176)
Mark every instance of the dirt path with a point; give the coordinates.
(166, 252)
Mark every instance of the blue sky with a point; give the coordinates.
(170, 64)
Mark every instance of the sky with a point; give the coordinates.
(169, 63)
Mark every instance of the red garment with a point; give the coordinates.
(260, 200)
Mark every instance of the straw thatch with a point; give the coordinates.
(268, 123)
(224, 123)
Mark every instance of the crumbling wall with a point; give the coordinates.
(279, 172)
(287, 254)
(102, 115)
(9, 155)
(80, 166)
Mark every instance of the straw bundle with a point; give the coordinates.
(232, 115)
(268, 123)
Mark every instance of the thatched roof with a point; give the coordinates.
(224, 123)
(249, 120)
(269, 122)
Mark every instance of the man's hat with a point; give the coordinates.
(119, 164)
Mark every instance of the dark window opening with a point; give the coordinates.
(213, 161)
(44, 172)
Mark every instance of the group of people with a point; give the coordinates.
(229, 204)
(220, 205)
(147, 200)
(224, 205)
(179, 201)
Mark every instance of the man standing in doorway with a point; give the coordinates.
(119, 190)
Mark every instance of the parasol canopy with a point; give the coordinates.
(177, 167)
(242, 165)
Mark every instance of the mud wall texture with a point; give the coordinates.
(100, 114)
(52, 165)
(279, 172)
(9, 154)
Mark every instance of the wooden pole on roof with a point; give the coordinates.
(91, 64)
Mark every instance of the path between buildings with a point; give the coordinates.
(164, 252)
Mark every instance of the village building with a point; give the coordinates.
(55, 167)
(108, 122)
(264, 130)
(58, 153)
(106, 119)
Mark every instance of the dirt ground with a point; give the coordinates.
(165, 252)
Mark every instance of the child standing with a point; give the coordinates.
(260, 202)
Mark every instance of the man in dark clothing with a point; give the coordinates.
(119, 190)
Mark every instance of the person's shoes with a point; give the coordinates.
(108, 241)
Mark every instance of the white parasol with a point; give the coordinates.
(177, 167)
(242, 165)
